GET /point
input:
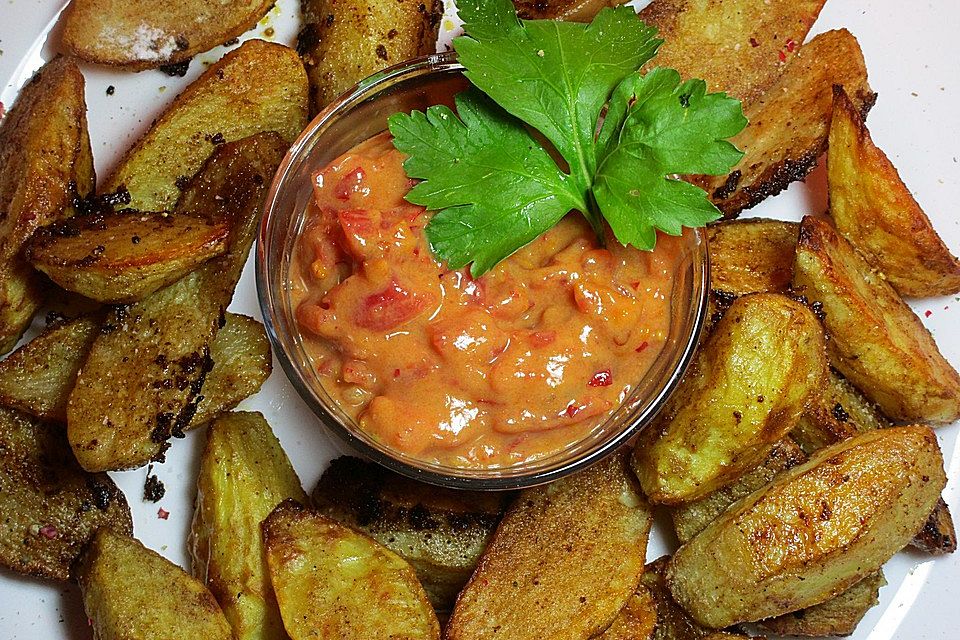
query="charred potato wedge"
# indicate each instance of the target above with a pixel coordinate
(563, 562)
(738, 47)
(344, 41)
(244, 474)
(752, 256)
(133, 593)
(938, 535)
(51, 507)
(567, 10)
(124, 257)
(876, 341)
(334, 582)
(45, 163)
(747, 388)
(142, 34)
(873, 209)
(258, 87)
(122, 411)
(820, 528)
(440, 532)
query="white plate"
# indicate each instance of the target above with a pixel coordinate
(909, 48)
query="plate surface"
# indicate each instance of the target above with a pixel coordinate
(913, 66)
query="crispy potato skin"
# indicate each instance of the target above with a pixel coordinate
(244, 474)
(636, 621)
(739, 46)
(563, 562)
(45, 162)
(133, 593)
(258, 87)
(873, 209)
(140, 34)
(51, 507)
(567, 10)
(877, 342)
(334, 582)
(344, 41)
(812, 534)
(748, 386)
(752, 255)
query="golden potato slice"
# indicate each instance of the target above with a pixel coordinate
(752, 255)
(738, 46)
(344, 41)
(747, 388)
(789, 124)
(637, 619)
(563, 562)
(142, 34)
(568, 10)
(133, 593)
(440, 532)
(261, 86)
(45, 163)
(873, 209)
(816, 531)
(51, 507)
(876, 341)
(142, 378)
(124, 257)
(244, 474)
(333, 582)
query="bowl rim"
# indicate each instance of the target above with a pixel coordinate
(367, 88)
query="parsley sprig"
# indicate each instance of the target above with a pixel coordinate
(495, 187)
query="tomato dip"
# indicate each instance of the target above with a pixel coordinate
(515, 365)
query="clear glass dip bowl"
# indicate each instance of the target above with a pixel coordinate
(356, 116)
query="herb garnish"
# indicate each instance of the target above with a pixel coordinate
(495, 187)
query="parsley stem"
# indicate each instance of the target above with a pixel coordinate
(595, 218)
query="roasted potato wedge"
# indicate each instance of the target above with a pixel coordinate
(244, 474)
(124, 257)
(563, 562)
(261, 86)
(51, 507)
(440, 532)
(133, 593)
(142, 34)
(334, 582)
(738, 47)
(820, 528)
(344, 41)
(123, 410)
(636, 621)
(750, 383)
(752, 255)
(938, 535)
(873, 209)
(789, 124)
(568, 10)
(876, 341)
(45, 163)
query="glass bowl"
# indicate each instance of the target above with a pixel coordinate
(356, 116)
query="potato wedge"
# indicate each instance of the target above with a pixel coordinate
(739, 47)
(816, 531)
(51, 507)
(261, 86)
(636, 621)
(873, 209)
(333, 582)
(344, 41)
(563, 562)
(122, 411)
(133, 593)
(440, 532)
(938, 535)
(567, 10)
(876, 341)
(143, 34)
(124, 257)
(45, 163)
(244, 474)
(752, 255)
(789, 124)
(759, 370)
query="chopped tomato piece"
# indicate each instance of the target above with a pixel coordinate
(602, 378)
(361, 230)
(349, 184)
(389, 308)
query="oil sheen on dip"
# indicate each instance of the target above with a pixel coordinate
(516, 365)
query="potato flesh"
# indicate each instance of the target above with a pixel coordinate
(747, 388)
(133, 593)
(812, 534)
(244, 474)
(752, 255)
(333, 582)
(563, 562)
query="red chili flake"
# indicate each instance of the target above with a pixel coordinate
(601, 379)
(635, 285)
(791, 45)
(643, 345)
(396, 373)
(573, 409)
(927, 313)
(162, 513)
(754, 43)
(782, 56)
(49, 532)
